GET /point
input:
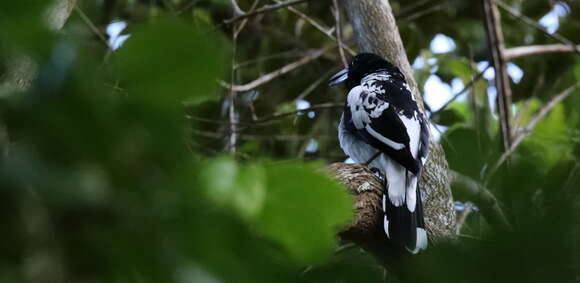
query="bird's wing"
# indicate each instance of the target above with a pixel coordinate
(377, 112)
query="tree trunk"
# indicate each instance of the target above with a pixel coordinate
(21, 69)
(376, 31)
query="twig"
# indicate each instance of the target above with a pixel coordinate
(233, 116)
(338, 25)
(313, 55)
(422, 13)
(523, 51)
(236, 9)
(408, 8)
(467, 86)
(527, 129)
(216, 135)
(92, 26)
(463, 217)
(305, 110)
(264, 9)
(482, 197)
(314, 85)
(284, 54)
(515, 13)
(266, 120)
(496, 46)
(325, 30)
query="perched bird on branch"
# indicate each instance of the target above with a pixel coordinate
(383, 127)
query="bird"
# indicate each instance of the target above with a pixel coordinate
(383, 127)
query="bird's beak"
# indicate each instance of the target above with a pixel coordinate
(338, 77)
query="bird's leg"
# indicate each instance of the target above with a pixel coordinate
(373, 158)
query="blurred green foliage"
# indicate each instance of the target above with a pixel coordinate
(113, 165)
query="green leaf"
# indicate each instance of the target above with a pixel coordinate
(239, 188)
(303, 210)
(459, 143)
(169, 61)
(449, 117)
(24, 24)
(550, 138)
(577, 70)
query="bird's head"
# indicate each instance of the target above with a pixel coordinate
(362, 65)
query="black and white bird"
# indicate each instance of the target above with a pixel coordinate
(383, 127)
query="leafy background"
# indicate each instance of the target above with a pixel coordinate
(117, 165)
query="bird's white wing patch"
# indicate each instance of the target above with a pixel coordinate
(386, 219)
(396, 177)
(355, 100)
(413, 127)
(411, 198)
(421, 242)
(383, 139)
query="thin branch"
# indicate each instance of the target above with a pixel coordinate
(315, 84)
(515, 13)
(463, 217)
(236, 8)
(496, 46)
(305, 110)
(284, 54)
(422, 13)
(325, 30)
(266, 120)
(467, 87)
(338, 25)
(264, 9)
(92, 26)
(523, 51)
(313, 55)
(233, 115)
(527, 129)
(482, 197)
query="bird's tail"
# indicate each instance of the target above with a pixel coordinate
(403, 221)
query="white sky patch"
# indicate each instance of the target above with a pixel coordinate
(312, 146)
(489, 74)
(457, 86)
(116, 39)
(436, 92)
(349, 161)
(514, 72)
(442, 44)
(551, 20)
(419, 63)
(302, 104)
(491, 96)
(437, 131)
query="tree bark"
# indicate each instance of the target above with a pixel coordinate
(376, 31)
(21, 69)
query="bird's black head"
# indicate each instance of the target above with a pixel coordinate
(362, 65)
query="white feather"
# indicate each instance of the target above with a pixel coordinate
(359, 115)
(421, 243)
(411, 192)
(396, 176)
(413, 128)
(383, 139)
(386, 226)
